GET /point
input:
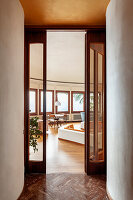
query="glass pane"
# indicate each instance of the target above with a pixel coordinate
(78, 102)
(32, 101)
(36, 121)
(100, 109)
(96, 102)
(41, 101)
(92, 101)
(49, 101)
(62, 97)
(91, 104)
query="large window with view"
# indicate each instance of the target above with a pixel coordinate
(63, 101)
(49, 101)
(33, 102)
(77, 102)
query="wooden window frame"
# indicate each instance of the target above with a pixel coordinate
(36, 101)
(63, 91)
(77, 92)
(41, 113)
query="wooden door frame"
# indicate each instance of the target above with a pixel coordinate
(33, 37)
(41, 30)
(98, 36)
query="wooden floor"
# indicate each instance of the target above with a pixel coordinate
(64, 186)
(65, 178)
(63, 156)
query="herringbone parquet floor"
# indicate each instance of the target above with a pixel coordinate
(64, 186)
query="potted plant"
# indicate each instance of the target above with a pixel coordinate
(34, 133)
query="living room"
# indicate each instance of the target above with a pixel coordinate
(65, 101)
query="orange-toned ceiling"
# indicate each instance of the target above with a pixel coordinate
(64, 12)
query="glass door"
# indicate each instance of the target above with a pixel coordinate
(96, 103)
(95, 134)
(35, 121)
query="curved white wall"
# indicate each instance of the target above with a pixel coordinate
(120, 99)
(11, 99)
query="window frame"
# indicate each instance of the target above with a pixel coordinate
(77, 92)
(63, 91)
(36, 101)
(41, 113)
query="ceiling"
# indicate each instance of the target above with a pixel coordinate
(64, 12)
(65, 57)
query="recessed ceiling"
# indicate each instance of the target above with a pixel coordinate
(64, 12)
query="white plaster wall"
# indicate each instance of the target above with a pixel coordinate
(11, 99)
(120, 99)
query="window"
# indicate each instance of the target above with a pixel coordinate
(63, 97)
(33, 102)
(49, 101)
(92, 101)
(40, 102)
(77, 101)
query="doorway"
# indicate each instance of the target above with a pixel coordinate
(66, 78)
(93, 162)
